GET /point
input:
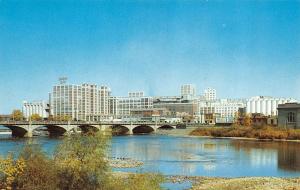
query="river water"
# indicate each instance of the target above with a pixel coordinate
(193, 156)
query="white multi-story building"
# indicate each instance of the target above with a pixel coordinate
(113, 106)
(85, 102)
(188, 91)
(266, 105)
(134, 101)
(37, 107)
(226, 109)
(210, 94)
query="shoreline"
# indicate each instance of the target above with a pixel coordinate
(247, 138)
(220, 183)
(186, 133)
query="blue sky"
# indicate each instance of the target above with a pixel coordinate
(241, 48)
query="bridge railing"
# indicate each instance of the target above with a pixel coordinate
(83, 123)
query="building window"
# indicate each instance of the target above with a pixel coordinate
(291, 117)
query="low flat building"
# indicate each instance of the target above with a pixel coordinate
(5, 117)
(38, 107)
(289, 115)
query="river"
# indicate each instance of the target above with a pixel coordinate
(192, 156)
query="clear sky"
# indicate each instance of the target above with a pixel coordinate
(241, 48)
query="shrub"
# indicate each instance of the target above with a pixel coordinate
(40, 171)
(259, 132)
(79, 162)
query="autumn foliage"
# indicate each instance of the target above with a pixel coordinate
(79, 162)
(263, 132)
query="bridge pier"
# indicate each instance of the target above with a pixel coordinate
(130, 132)
(28, 134)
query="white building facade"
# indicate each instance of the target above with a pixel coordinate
(86, 102)
(188, 91)
(210, 94)
(266, 105)
(134, 101)
(226, 109)
(37, 107)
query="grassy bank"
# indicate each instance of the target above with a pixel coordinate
(265, 132)
(248, 183)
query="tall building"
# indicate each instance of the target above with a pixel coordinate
(134, 101)
(37, 107)
(86, 102)
(188, 91)
(266, 105)
(113, 106)
(210, 94)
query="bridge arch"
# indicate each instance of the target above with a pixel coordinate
(56, 130)
(167, 127)
(17, 131)
(88, 128)
(119, 129)
(142, 129)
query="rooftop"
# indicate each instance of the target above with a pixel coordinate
(289, 105)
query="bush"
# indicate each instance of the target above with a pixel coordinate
(81, 162)
(78, 163)
(39, 171)
(261, 132)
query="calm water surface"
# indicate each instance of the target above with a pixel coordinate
(193, 156)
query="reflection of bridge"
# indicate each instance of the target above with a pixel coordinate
(58, 128)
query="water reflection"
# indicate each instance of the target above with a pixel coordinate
(196, 156)
(285, 155)
(289, 157)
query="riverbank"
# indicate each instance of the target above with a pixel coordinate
(254, 133)
(242, 183)
(176, 132)
(247, 183)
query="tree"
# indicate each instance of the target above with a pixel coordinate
(17, 115)
(247, 120)
(61, 118)
(40, 171)
(35, 117)
(81, 162)
(10, 170)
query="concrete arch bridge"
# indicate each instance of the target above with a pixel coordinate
(59, 128)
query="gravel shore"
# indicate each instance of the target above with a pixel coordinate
(124, 163)
(242, 183)
(247, 183)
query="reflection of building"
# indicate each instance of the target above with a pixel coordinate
(289, 115)
(38, 107)
(266, 105)
(80, 102)
(289, 157)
